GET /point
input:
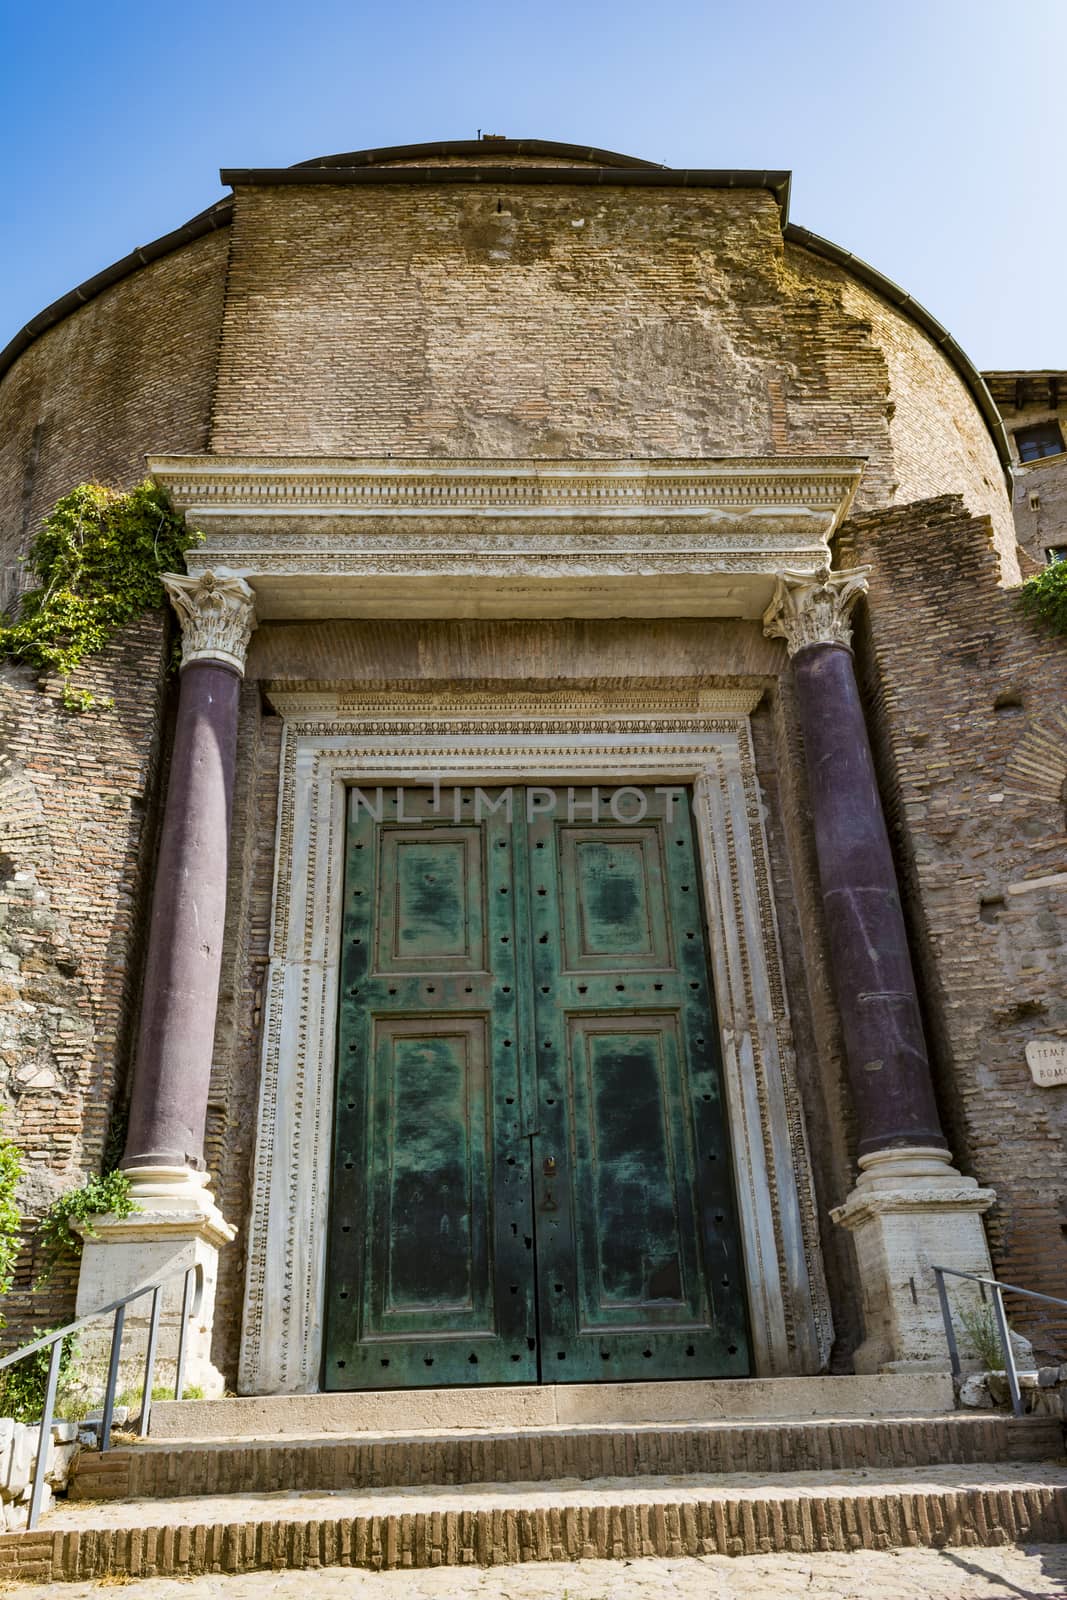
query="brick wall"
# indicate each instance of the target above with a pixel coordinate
(77, 823)
(542, 321)
(960, 689)
(131, 371)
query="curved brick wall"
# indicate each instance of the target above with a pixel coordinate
(131, 371)
(88, 399)
(542, 321)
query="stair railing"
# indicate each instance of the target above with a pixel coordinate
(192, 1296)
(1000, 1316)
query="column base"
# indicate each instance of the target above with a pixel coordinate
(177, 1225)
(912, 1211)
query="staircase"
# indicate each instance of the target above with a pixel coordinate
(495, 1489)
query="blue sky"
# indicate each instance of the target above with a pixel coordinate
(924, 135)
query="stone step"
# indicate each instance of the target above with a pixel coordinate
(219, 1467)
(488, 1525)
(393, 1411)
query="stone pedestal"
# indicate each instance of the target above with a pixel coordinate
(912, 1211)
(178, 1225)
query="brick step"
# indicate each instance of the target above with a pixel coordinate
(489, 1525)
(219, 1467)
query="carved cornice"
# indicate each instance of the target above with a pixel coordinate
(207, 486)
(814, 608)
(462, 712)
(362, 536)
(217, 615)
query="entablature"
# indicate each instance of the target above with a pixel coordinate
(324, 537)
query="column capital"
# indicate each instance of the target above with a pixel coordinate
(217, 614)
(814, 607)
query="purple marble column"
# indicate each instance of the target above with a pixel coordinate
(871, 970)
(172, 1069)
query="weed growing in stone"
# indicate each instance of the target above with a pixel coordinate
(1044, 596)
(108, 1194)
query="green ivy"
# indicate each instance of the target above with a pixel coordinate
(109, 1194)
(1044, 596)
(23, 1386)
(97, 559)
(10, 1219)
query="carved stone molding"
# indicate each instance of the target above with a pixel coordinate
(349, 537)
(333, 741)
(372, 486)
(217, 615)
(814, 608)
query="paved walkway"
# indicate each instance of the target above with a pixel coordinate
(1037, 1573)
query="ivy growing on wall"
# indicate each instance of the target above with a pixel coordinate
(10, 1173)
(97, 561)
(1044, 596)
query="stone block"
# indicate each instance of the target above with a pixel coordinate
(60, 1463)
(20, 1466)
(974, 1392)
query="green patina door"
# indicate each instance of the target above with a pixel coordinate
(531, 1173)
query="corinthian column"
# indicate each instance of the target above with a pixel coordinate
(172, 1069)
(910, 1209)
(177, 1220)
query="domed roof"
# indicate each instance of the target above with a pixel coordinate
(488, 147)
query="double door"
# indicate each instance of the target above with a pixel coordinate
(531, 1173)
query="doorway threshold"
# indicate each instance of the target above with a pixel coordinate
(576, 1405)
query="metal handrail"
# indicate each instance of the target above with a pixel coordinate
(1003, 1331)
(192, 1297)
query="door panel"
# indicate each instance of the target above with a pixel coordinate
(531, 1170)
(429, 1253)
(430, 1279)
(639, 1265)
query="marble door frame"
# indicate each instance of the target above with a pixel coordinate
(333, 739)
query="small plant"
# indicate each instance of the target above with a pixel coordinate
(22, 1387)
(97, 559)
(10, 1218)
(108, 1194)
(1044, 596)
(981, 1326)
(131, 1398)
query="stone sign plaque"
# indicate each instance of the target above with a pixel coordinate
(1047, 1060)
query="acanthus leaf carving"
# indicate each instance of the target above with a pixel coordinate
(814, 608)
(217, 615)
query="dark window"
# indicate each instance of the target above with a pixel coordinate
(1043, 439)
(1056, 552)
